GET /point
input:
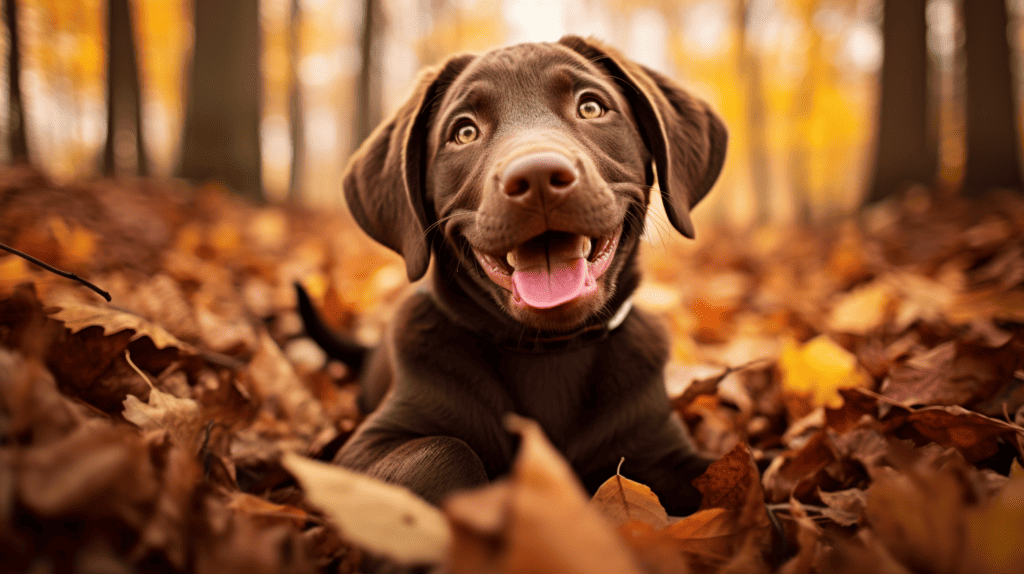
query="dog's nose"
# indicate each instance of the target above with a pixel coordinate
(541, 180)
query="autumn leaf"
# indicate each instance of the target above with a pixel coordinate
(79, 316)
(844, 507)
(539, 521)
(380, 517)
(815, 371)
(180, 418)
(954, 373)
(622, 500)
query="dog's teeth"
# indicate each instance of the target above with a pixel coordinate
(511, 259)
(585, 247)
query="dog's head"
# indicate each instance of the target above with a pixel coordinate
(530, 167)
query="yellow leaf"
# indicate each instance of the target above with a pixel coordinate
(818, 369)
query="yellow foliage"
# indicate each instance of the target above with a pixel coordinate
(818, 369)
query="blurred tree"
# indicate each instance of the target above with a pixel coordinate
(221, 139)
(907, 149)
(17, 139)
(295, 113)
(124, 99)
(368, 86)
(993, 133)
(756, 115)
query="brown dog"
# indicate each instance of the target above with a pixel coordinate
(526, 172)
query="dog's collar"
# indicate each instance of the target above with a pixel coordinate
(542, 342)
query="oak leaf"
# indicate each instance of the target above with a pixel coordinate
(79, 316)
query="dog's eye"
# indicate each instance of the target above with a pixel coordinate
(590, 109)
(466, 133)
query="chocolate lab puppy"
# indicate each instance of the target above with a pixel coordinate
(526, 174)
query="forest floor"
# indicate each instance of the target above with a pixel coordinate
(871, 366)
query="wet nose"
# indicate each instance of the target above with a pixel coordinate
(539, 180)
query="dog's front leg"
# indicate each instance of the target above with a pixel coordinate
(431, 466)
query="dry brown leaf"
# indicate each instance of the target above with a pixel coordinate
(272, 375)
(711, 534)
(797, 469)
(264, 509)
(380, 517)
(734, 483)
(180, 418)
(622, 500)
(954, 373)
(808, 537)
(79, 316)
(973, 434)
(994, 531)
(553, 528)
(918, 515)
(844, 507)
(537, 522)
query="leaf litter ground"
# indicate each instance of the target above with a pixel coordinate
(861, 382)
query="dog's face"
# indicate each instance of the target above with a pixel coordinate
(530, 166)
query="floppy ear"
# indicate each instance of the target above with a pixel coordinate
(384, 180)
(685, 137)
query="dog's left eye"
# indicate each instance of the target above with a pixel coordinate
(590, 109)
(466, 133)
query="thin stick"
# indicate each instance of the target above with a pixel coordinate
(53, 269)
(128, 358)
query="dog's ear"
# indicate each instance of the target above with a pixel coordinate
(384, 180)
(686, 138)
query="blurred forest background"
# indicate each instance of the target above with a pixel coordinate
(270, 97)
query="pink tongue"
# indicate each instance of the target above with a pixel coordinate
(543, 290)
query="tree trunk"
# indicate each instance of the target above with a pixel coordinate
(756, 117)
(295, 113)
(368, 86)
(221, 139)
(907, 149)
(17, 138)
(124, 150)
(993, 137)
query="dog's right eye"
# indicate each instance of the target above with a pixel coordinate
(466, 133)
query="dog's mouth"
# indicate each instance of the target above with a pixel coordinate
(552, 268)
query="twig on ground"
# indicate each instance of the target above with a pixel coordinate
(53, 269)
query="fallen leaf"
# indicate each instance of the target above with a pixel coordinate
(808, 537)
(816, 371)
(993, 537)
(380, 517)
(973, 434)
(954, 373)
(181, 419)
(79, 316)
(552, 526)
(917, 515)
(264, 509)
(844, 507)
(622, 500)
(272, 376)
(863, 310)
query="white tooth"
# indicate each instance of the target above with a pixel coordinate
(585, 247)
(511, 258)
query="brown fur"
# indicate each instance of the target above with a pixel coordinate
(459, 355)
